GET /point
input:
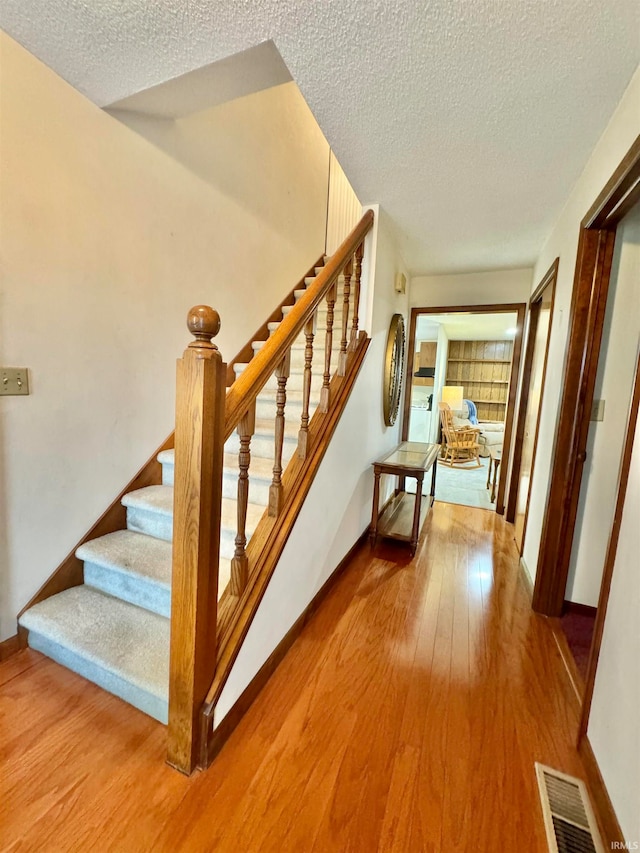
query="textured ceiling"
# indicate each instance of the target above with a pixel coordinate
(467, 120)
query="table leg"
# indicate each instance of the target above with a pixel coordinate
(496, 465)
(433, 481)
(374, 509)
(416, 512)
(489, 472)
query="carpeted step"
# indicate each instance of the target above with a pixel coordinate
(260, 475)
(135, 568)
(262, 442)
(150, 511)
(130, 566)
(118, 646)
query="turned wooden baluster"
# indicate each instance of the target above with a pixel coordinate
(303, 434)
(240, 561)
(342, 357)
(323, 405)
(275, 490)
(197, 506)
(353, 343)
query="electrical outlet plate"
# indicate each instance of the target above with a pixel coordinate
(14, 381)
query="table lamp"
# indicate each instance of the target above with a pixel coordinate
(453, 394)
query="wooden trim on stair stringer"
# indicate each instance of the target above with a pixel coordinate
(70, 571)
(268, 542)
(246, 353)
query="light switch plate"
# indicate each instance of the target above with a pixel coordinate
(14, 381)
(597, 410)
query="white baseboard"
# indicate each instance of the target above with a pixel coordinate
(526, 574)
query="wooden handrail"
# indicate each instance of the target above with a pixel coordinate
(255, 376)
(205, 419)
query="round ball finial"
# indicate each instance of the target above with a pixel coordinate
(204, 323)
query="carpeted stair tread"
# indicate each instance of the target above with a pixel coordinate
(130, 552)
(151, 498)
(260, 467)
(130, 566)
(115, 644)
(160, 499)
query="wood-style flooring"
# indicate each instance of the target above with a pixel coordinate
(406, 717)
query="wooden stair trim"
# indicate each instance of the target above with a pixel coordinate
(252, 380)
(245, 355)
(271, 535)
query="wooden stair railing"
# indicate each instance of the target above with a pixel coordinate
(206, 634)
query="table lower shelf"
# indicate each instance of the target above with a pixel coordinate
(396, 522)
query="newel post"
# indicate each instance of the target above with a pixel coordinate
(200, 400)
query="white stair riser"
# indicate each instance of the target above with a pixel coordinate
(262, 445)
(161, 526)
(295, 382)
(136, 590)
(258, 487)
(317, 363)
(150, 522)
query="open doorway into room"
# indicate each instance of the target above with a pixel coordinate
(528, 419)
(607, 422)
(595, 430)
(462, 369)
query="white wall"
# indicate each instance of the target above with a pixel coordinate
(338, 506)
(563, 243)
(614, 385)
(439, 381)
(476, 288)
(613, 730)
(106, 243)
(265, 151)
(344, 210)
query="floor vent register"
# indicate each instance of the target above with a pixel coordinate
(568, 816)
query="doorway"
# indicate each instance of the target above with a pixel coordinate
(470, 355)
(533, 380)
(587, 318)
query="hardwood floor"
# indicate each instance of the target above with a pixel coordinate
(406, 717)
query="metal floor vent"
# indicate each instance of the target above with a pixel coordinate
(568, 816)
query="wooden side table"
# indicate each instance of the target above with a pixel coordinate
(495, 458)
(404, 516)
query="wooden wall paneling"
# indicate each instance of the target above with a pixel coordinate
(588, 303)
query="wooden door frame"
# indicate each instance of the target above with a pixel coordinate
(612, 549)
(588, 305)
(517, 308)
(548, 280)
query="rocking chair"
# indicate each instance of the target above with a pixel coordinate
(460, 443)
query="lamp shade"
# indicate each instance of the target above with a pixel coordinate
(452, 394)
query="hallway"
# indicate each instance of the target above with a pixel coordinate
(406, 717)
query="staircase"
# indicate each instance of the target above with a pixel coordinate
(169, 653)
(114, 628)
